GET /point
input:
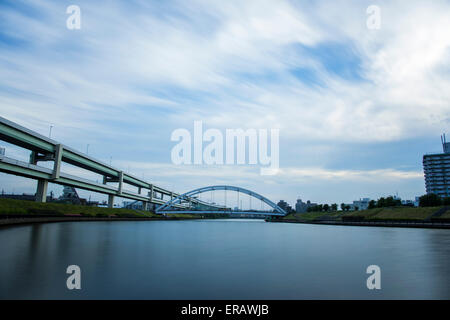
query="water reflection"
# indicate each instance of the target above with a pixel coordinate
(222, 260)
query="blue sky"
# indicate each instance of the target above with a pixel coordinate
(356, 108)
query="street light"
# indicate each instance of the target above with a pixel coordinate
(50, 132)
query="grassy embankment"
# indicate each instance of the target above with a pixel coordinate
(446, 215)
(395, 213)
(13, 207)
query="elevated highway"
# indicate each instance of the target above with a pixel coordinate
(46, 149)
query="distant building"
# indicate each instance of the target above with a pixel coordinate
(28, 197)
(414, 202)
(70, 195)
(23, 196)
(417, 202)
(302, 207)
(408, 203)
(361, 204)
(436, 169)
(284, 205)
(135, 205)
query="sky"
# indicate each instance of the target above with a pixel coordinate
(356, 107)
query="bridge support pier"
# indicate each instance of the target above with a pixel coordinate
(57, 163)
(33, 157)
(120, 182)
(145, 205)
(41, 192)
(110, 201)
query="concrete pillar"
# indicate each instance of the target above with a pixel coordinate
(57, 161)
(110, 201)
(145, 204)
(33, 157)
(41, 192)
(151, 193)
(120, 181)
(139, 190)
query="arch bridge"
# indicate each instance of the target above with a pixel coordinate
(182, 204)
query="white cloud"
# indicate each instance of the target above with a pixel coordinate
(149, 67)
(114, 59)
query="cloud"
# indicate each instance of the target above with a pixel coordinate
(139, 69)
(244, 63)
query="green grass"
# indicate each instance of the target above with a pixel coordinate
(183, 216)
(310, 215)
(395, 213)
(22, 207)
(446, 215)
(31, 208)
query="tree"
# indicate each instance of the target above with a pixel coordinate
(388, 202)
(326, 207)
(334, 207)
(430, 200)
(347, 208)
(343, 206)
(315, 208)
(391, 202)
(372, 204)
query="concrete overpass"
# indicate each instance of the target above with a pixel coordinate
(46, 149)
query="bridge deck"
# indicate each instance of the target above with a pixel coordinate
(220, 212)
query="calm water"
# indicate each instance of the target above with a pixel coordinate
(237, 259)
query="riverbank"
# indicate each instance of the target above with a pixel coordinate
(392, 224)
(400, 217)
(9, 207)
(16, 212)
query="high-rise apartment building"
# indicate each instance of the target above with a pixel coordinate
(436, 168)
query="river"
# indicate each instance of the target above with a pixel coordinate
(222, 259)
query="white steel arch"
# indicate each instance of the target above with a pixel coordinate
(188, 195)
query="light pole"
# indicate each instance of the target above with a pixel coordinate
(50, 132)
